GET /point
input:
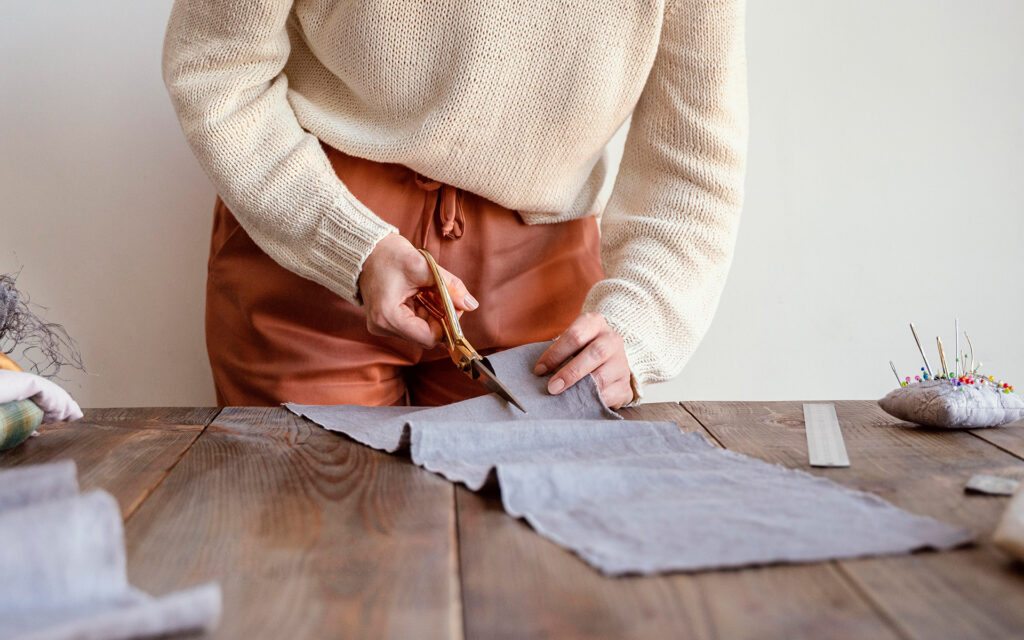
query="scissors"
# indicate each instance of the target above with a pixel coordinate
(462, 353)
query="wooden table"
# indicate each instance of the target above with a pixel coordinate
(312, 535)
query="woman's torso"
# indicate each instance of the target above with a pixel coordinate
(514, 101)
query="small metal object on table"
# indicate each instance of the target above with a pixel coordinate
(312, 535)
(825, 446)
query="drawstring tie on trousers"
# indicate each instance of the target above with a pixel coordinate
(448, 208)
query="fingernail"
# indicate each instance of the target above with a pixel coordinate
(540, 369)
(471, 302)
(556, 385)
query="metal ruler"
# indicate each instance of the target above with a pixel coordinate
(824, 439)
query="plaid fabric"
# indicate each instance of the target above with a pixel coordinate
(17, 421)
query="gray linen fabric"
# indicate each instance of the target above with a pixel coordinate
(707, 508)
(378, 427)
(62, 556)
(631, 496)
(467, 452)
(385, 427)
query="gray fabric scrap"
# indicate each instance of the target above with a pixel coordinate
(385, 427)
(992, 485)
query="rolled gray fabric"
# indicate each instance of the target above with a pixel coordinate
(22, 486)
(62, 557)
(138, 616)
(69, 550)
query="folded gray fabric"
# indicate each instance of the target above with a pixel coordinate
(385, 427)
(631, 496)
(467, 452)
(62, 556)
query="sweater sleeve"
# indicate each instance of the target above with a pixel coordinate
(669, 228)
(222, 65)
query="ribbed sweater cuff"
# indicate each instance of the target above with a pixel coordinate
(638, 366)
(345, 237)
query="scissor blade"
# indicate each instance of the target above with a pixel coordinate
(494, 385)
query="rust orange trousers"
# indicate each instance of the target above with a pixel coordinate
(273, 336)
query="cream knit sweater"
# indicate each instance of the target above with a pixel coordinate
(514, 100)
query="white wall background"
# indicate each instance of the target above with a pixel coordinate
(885, 184)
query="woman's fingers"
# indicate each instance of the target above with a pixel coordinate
(596, 353)
(591, 347)
(610, 373)
(421, 276)
(391, 309)
(584, 329)
(460, 295)
(436, 331)
(394, 317)
(613, 384)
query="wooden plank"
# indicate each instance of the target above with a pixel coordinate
(972, 592)
(152, 416)
(127, 452)
(1009, 438)
(309, 534)
(518, 584)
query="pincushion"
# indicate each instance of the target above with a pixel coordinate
(956, 397)
(941, 403)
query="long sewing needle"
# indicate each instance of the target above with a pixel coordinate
(921, 349)
(956, 328)
(971, 345)
(942, 357)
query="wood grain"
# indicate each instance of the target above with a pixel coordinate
(310, 534)
(1009, 438)
(158, 417)
(974, 592)
(518, 584)
(127, 452)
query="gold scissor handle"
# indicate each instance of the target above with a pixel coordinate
(461, 351)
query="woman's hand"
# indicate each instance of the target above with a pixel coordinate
(601, 353)
(392, 274)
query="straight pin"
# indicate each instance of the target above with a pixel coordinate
(899, 380)
(927, 366)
